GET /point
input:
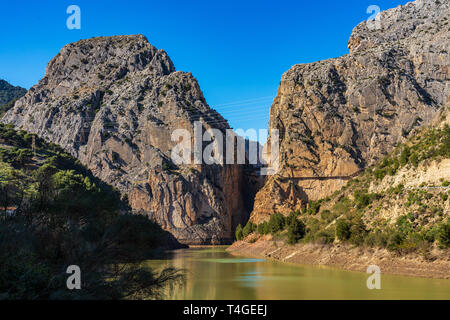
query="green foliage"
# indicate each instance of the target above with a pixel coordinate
(363, 199)
(64, 215)
(313, 208)
(325, 236)
(239, 233)
(342, 206)
(165, 166)
(416, 231)
(276, 223)
(395, 240)
(248, 229)
(291, 218)
(296, 231)
(342, 230)
(263, 228)
(444, 235)
(404, 156)
(9, 95)
(328, 215)
(358, 232)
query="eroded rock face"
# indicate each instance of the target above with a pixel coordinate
(340, 115)
(113, 102)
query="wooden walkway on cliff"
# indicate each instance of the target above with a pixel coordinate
(292, 177)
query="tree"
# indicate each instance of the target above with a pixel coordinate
(342, 230)
(404, 156)
(12, 186)
(358, 232)
(263, 228)
(444, 235)
(248, 229)
(296, 231)
(276, 223)
(291, 218)
(43, 177)
(238, 233)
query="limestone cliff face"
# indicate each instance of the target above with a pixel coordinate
(113, 102)
(340, 115)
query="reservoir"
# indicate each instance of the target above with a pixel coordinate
(213, 274)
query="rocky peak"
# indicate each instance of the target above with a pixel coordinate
(113, 102)
(338, 116)
(418, 21)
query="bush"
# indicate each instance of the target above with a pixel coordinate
(328, 216)
(404, 156)
(363, 199)
(342, 230)
(291, 218)
(296, 231)
(357, 232)
(444, 235)
(325, 237)
(314, 207)
(263, 228)
(248, 229)
(395, 240)
(377, 239)
(276, 223)
(238, 233)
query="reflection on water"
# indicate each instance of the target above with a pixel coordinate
(212, 273)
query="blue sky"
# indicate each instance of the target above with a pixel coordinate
(237, 50)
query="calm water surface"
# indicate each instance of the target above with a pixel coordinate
(212, 273)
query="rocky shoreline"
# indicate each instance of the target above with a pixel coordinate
(435, 265)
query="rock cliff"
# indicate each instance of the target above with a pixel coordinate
(338, 116)
(113, 103)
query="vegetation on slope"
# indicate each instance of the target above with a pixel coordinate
(353, 214)
(54, 213)
(9, 95)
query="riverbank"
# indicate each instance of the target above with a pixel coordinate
(436, 265)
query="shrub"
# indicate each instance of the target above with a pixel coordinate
(444, 235)
(380, 173)
(414, 160)
(325, 236)
(262, 228)
(377, 239)
(363, 199)
(248, 229)
(358, 232)
(165, 166)
(276, 223)
(291, 218)
(404, 156)
(296, 231)
(328, 216)
(314, 207)
(238, 233)
(342, 230)
(395, 240)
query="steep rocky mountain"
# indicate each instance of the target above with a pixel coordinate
(8, 95)
(113, 103)
(395, 214)
(339, 116)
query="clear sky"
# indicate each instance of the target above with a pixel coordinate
(237, 50)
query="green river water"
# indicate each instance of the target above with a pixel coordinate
(212, 273)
